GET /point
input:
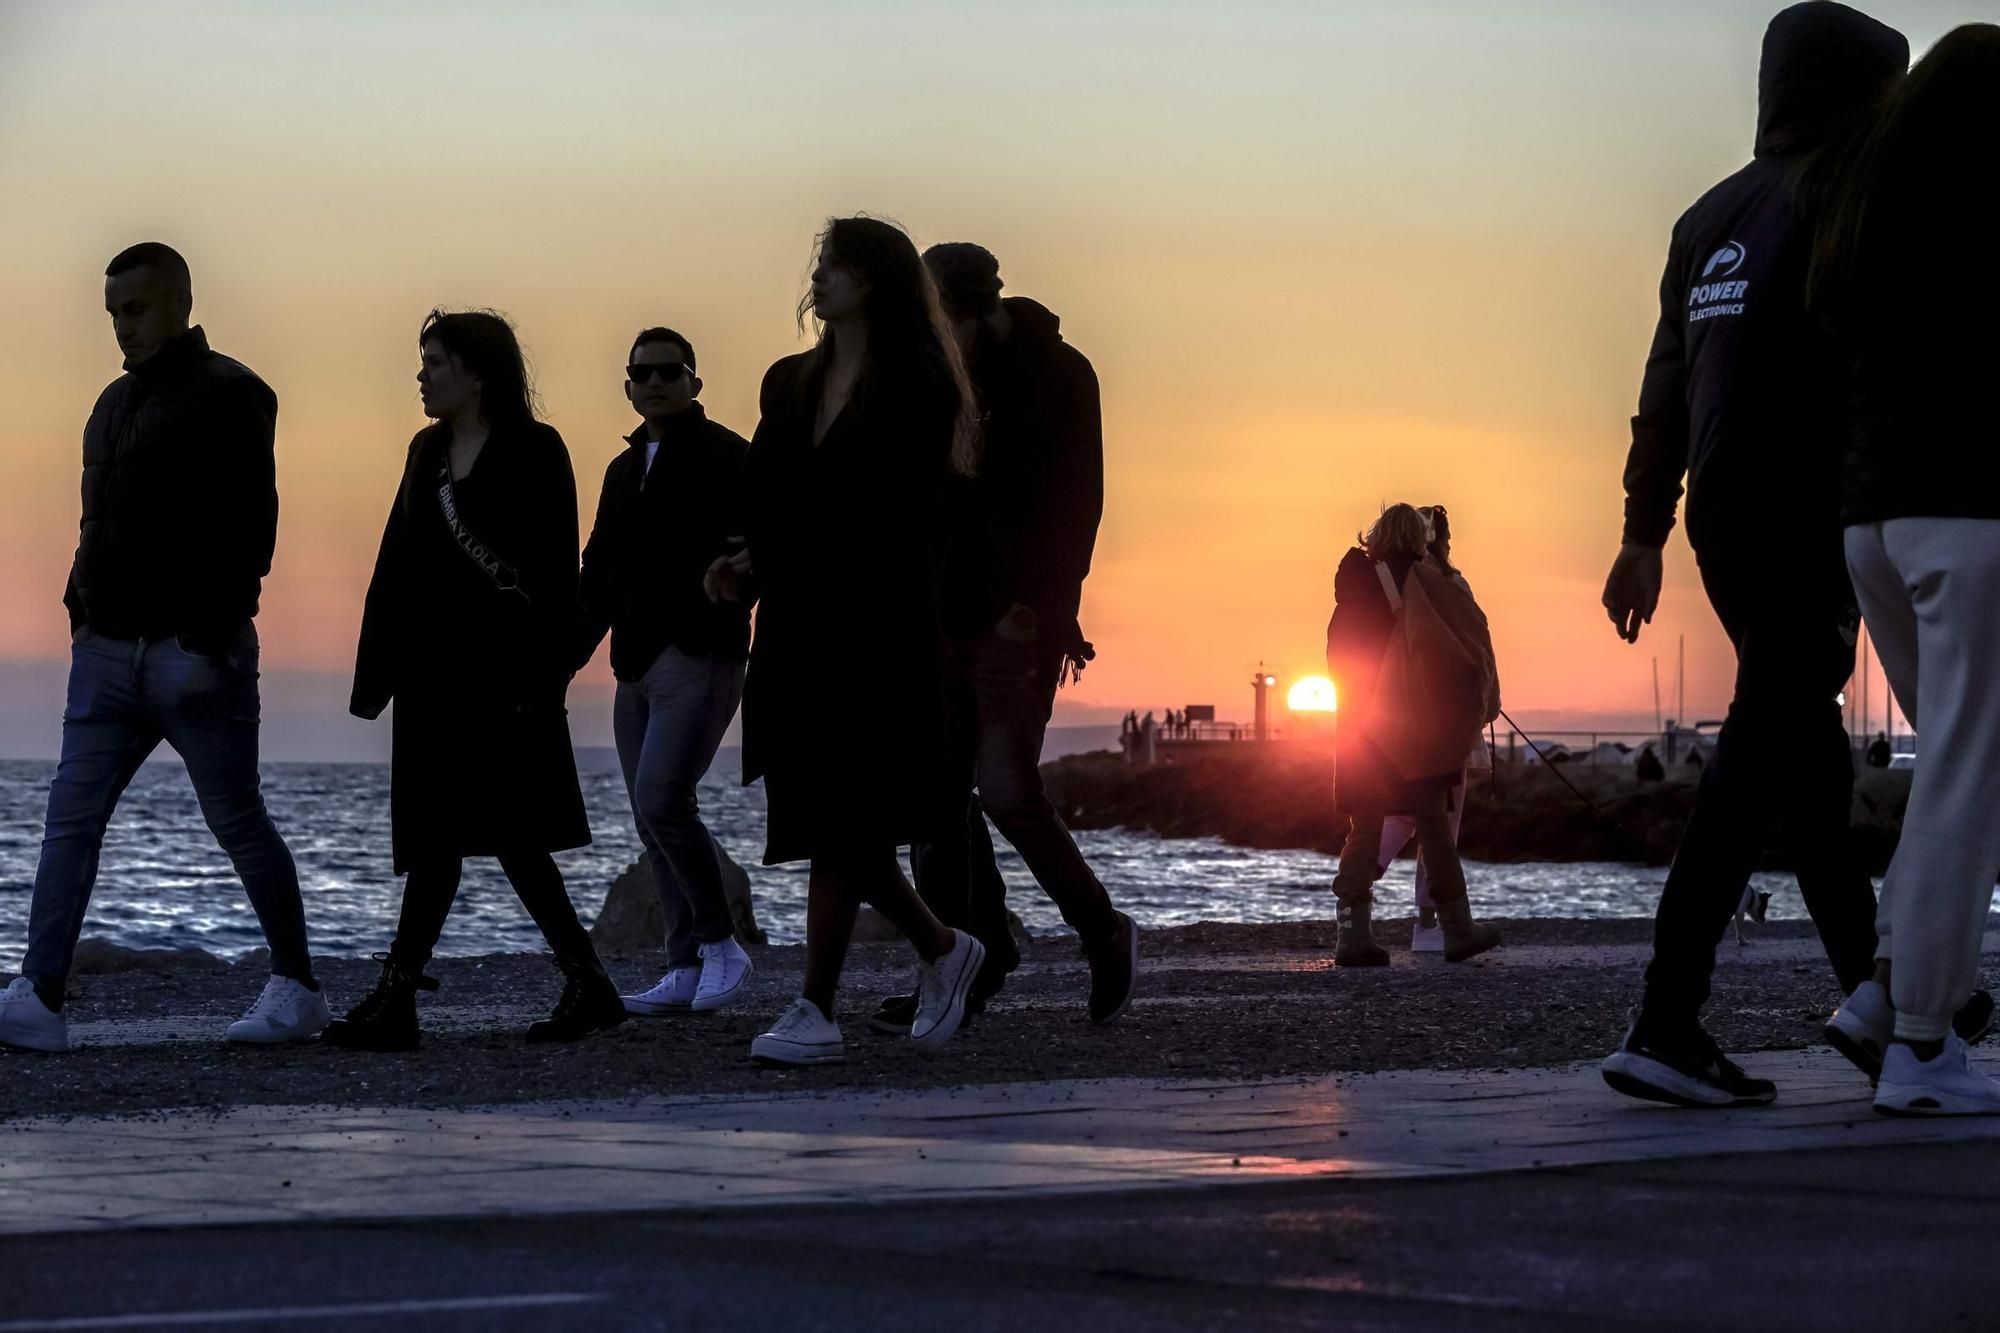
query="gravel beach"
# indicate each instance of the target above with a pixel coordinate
(1216, 1001)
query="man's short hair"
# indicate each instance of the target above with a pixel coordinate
(664, 335)
(163, 259)
(967, 277)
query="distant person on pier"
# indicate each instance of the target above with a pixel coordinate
(1878, 751)
(671, 505)
(859, 440)
(180, 516)
(1023, 533)
(469, 629)
(1407, 648)
(1397, 830)
(1920, 498)
(1745, 404)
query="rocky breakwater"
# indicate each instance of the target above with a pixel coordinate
(1281, 796)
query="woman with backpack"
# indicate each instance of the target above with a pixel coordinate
(1408, 651)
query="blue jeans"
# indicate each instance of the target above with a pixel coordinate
(668, 725)
(125, 697)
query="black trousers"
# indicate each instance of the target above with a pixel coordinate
(1782, 765)
(1002, 695)
(432, 887)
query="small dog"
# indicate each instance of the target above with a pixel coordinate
(1755, 904)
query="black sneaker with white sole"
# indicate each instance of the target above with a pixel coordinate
(1114, 970)
(1681, 1066)
(894, 1015)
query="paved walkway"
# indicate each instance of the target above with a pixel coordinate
(301, 1164)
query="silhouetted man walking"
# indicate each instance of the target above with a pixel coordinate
(672, 504)
(1745, 399)
(1020, 547)
(180, 514)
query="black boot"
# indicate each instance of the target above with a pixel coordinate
(589, 1003)
(387, 1019)
(1356, 946)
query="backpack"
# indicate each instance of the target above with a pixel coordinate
(1438, 686)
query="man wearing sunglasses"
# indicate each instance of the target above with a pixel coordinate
(671, 505)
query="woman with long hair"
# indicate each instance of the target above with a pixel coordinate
(467, 628)
(1907, 274)
(1373, 781)
(844, 707)
(1426, 936)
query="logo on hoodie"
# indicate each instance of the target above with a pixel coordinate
(1709, 299)
(1729, 258)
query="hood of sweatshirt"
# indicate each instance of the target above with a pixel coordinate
(1033, 321)
(1824, 66)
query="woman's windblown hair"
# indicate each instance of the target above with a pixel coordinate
(906, 322)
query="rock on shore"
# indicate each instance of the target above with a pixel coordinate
(632, 920)
(1281, 796)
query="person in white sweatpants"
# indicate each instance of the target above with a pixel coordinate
(1929, 590)
(1920, 508)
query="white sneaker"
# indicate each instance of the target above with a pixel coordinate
(27, 1023)
(1426, 939)
(286, 1011)
(941, 991)
(673, 994)
(801, 1036)
(1861, 1028)
(724, 969)
(1948, 1085)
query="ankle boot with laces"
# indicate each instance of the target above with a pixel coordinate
(589, 1003)
(387, 1019)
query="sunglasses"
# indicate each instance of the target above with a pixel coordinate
(672, 372)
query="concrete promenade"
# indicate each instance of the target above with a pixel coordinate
(1516, 1199)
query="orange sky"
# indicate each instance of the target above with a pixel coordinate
(1322, 255)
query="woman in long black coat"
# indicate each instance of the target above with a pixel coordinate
(466, 629)
(843, 711)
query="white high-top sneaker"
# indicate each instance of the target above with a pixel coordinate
(1948, 1085)
(1861, 1028)
(285, 1011)
(724, 969)
(674, 994)
(28, 1024)
(801, 1036)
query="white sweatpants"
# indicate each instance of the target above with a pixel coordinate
(1929, 590)
(1397, 830)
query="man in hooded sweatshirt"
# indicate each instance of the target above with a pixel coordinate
(1018, 549)
(1745, 402)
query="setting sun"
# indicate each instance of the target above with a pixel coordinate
(1312, 694)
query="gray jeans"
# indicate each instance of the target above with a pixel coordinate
(668, 725)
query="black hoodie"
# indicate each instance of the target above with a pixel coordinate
(1024, 532)
(1744, 396)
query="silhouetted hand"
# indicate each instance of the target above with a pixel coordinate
(1632, 592)
(724, 580)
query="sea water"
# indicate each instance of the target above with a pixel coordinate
(163, 882)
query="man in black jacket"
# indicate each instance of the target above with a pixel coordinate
(180, 514)
(672, 504)
(1018, 550)
(1745, 399)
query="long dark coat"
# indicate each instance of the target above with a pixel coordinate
(843, 711)
(1365, 781)
(474, 652)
